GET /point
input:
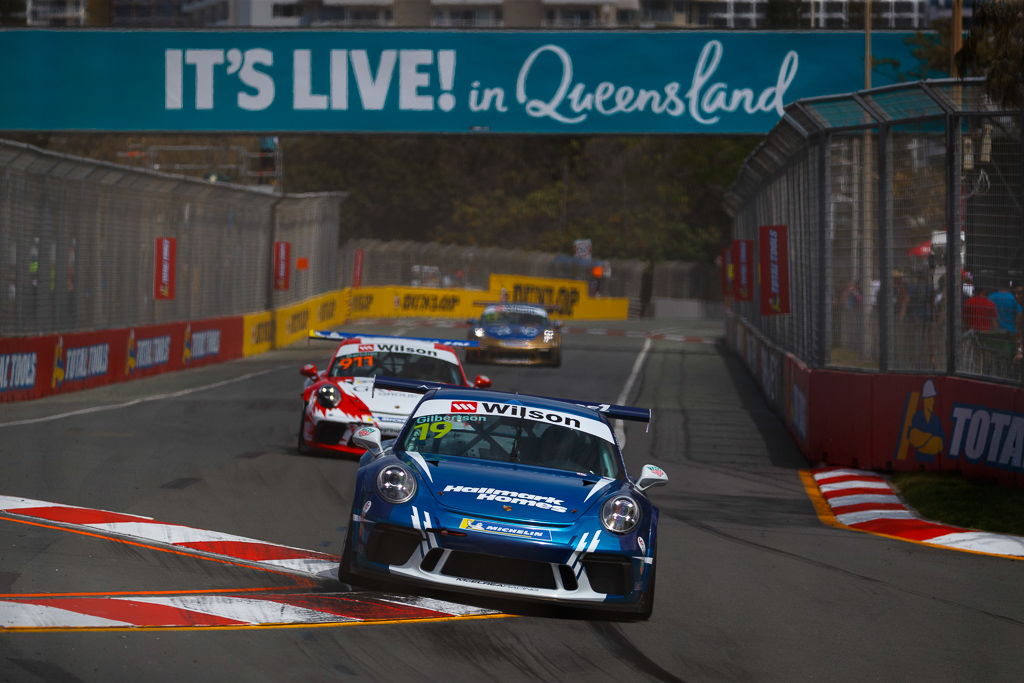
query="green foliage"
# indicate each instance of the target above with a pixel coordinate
(995, 49)
(636, 197)
(12, 12)
(952, 499)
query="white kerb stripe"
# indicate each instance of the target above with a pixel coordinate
(23, 615)
(171, 534)
(982, 542)
(307, 565)
(857, 499)
(436, 605)
(861, 516)
(245, 609)
(843, 485)
(842, 473)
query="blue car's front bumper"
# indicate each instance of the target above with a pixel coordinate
(581, 563)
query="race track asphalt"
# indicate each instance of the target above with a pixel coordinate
(751, 585)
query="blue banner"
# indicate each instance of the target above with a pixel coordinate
(424, 81)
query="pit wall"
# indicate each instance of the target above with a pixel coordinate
(34, 367)
(864, 420)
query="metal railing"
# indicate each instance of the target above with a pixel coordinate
(78, 244)
(904, 209)
(78, 250)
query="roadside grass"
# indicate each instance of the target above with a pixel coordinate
(952, 499)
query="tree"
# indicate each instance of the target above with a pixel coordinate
(12, 12)
(995, 49)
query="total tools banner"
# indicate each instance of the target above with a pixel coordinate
(425, 81)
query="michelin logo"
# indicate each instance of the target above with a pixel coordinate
(502, 496)
(505, 530)
(994, 437)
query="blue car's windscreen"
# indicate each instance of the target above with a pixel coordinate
(391, 364)
(511, 439)
(513, 318)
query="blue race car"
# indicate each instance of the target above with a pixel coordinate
(508, 495)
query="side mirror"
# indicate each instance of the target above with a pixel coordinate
(651, 476)
(482, 382)
(368, 438)
(471, 322)
(309, 370)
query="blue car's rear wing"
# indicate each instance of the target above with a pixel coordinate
(330, 335)
(416, 386)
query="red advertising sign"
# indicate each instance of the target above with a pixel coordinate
(774, 240)
(163, 268)
(282, 265)
(357, 268)
(743, 262)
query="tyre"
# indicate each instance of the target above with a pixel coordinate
(302, 447)
(646, 606)
(345, 574)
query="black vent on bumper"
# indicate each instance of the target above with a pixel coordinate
(609, 573)
(430, 561)
(499, 570)
(329, 432)
(391, 545)
(568, 578)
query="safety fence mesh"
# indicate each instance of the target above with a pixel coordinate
(82, 245)
(904, 212)
(79, 244)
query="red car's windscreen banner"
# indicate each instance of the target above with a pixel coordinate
(282, 265)
(163, 268)
(743, 260)
(774, 242)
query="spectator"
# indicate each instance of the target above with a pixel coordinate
(1007, 308)
(980, 313)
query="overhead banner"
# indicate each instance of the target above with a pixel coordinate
(426, 81)
(774, 241)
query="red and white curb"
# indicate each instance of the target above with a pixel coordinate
(867, 502)
(199, 610)
(597, 331)
(157, 609)
(147, 529)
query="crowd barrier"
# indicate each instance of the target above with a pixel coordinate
(889, 422)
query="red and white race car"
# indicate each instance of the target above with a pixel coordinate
(341, 399)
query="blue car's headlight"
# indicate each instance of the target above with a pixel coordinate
(620, 514)
(549, 335)
(478, 332)
(396, 484)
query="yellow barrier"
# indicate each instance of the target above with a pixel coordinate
(413, 302)
(293, 323)
(258, 333)
(284, 326)
(570, 297)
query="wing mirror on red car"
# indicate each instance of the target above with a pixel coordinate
(482, 382)
(309, 370)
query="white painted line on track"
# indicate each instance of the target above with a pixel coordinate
(620, 430)
(145, 399)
